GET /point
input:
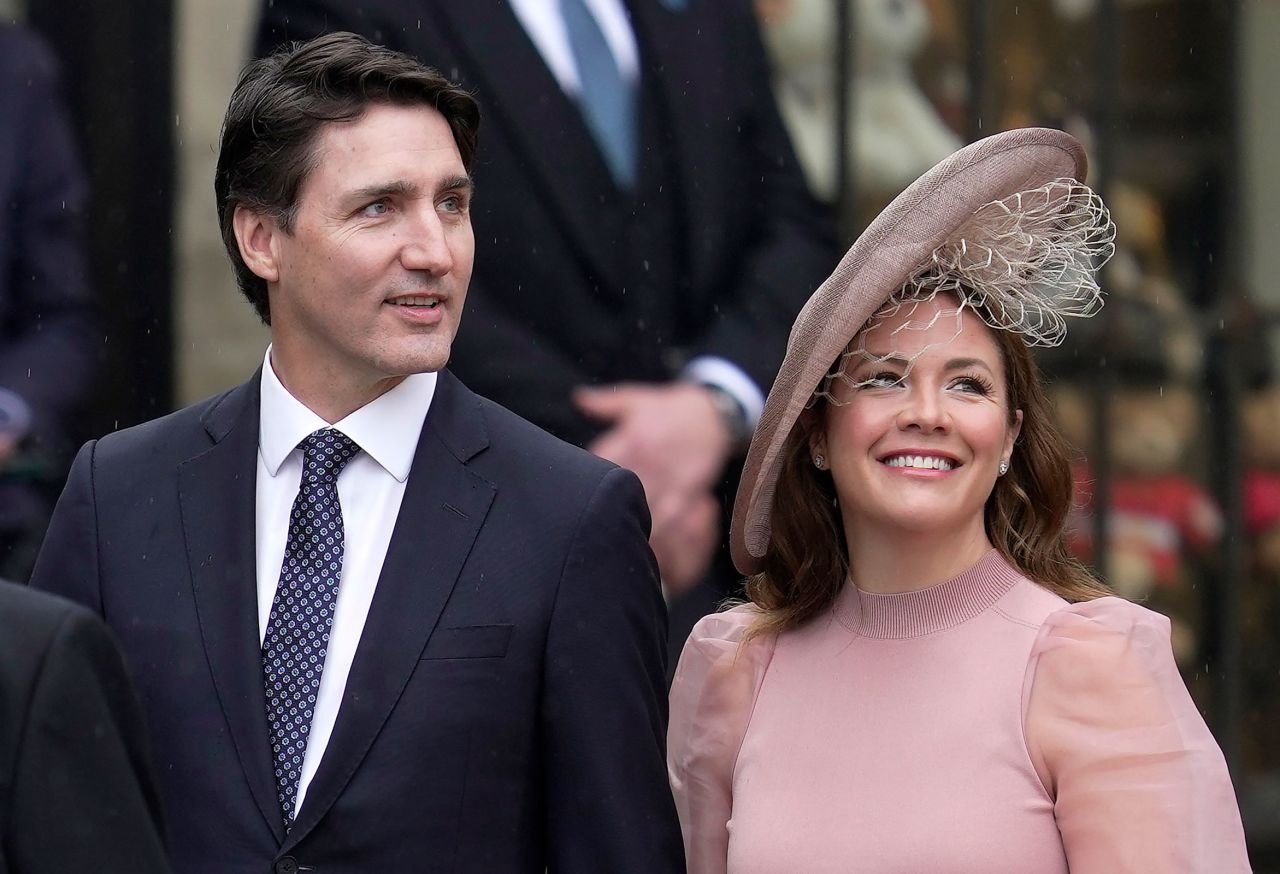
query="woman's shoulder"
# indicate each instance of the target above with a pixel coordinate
(727, 626)
(1107, 623)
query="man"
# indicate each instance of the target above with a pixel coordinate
(45, 322)
(645, 237)
(78, 793)
(379, 623)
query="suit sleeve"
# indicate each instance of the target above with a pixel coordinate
(604, 707)
(45, 357)
(791, 248)
(68, 560)
(83, 797)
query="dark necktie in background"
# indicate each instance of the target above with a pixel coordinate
(607, 101)
(297, 638)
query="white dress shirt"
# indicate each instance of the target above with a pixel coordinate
(543, 23)
(370, 490)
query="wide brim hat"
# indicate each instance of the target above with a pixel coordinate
(902, 238)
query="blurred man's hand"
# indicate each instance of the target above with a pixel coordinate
(675, 441)
(8, 449)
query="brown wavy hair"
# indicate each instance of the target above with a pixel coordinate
(807, 561)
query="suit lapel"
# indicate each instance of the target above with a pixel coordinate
(217, 493)
(514, 83)
(443, 509)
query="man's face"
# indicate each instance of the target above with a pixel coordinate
(370, 283)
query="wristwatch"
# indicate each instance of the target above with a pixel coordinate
(731, 413)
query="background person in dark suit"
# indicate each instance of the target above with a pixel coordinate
(76, 790)
(656, 248)
(45, 310)
(378, 622)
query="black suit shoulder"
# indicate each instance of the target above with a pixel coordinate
(22, 52)
(172, 437)
(78, 792)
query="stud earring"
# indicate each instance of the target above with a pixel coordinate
(820, 462)
(1004, 468)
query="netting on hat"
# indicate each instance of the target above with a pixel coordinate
(1024, 264)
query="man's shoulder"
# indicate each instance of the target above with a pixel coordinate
(23, 51)
(180, 433)
(30, 621)
(527, 445)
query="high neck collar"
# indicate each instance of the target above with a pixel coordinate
(925, 611)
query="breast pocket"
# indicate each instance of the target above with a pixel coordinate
(468, 642)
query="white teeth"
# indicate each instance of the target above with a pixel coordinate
(420, 301)
(924, 462)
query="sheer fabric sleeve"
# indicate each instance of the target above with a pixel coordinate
(712, 696)
(1137, 780)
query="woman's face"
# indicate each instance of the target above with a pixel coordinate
(916, 450)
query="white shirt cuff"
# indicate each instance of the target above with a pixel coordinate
(725, 374)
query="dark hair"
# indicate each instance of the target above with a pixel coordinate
(806, 562)
(280, 105)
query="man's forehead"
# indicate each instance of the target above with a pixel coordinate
(385, 144)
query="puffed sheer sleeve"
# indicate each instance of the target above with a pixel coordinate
(712, 697)
(1137, 780)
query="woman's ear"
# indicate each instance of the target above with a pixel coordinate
(817, 434)
(1012, 437)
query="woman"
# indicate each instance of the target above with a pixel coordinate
(924, 679)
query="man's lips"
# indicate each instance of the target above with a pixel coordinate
(424, 301)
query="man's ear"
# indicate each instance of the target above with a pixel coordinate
(256, 236)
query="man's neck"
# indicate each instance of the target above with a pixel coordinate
(329, 394)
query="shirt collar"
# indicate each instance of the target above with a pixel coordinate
(387, 428)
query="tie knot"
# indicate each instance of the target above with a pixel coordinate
(325, 453)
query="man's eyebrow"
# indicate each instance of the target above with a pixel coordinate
(457, 183)
(398, 188)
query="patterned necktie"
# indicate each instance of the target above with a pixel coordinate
(297, 637)
(607, 101)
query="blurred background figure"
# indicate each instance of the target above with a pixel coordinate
(644, 236)
(79, 794)
(45, 309)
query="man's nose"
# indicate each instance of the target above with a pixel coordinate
(426, 245)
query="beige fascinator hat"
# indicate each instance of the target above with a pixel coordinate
(1004, 225)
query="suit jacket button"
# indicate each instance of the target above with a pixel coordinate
(287, 865)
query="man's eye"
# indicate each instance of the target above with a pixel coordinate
(453, 203)
(377, 208)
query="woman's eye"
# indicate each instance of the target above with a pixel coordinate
(883, 379)
(974, 385)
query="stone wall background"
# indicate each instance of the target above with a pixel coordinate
(217, 337)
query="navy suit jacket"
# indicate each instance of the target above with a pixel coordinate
(506, 708)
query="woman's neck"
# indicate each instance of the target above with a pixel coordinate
(905, 561)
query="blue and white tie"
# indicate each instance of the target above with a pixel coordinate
(297, 638)
(608, 100)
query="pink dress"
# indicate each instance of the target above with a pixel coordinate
(980, 725)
